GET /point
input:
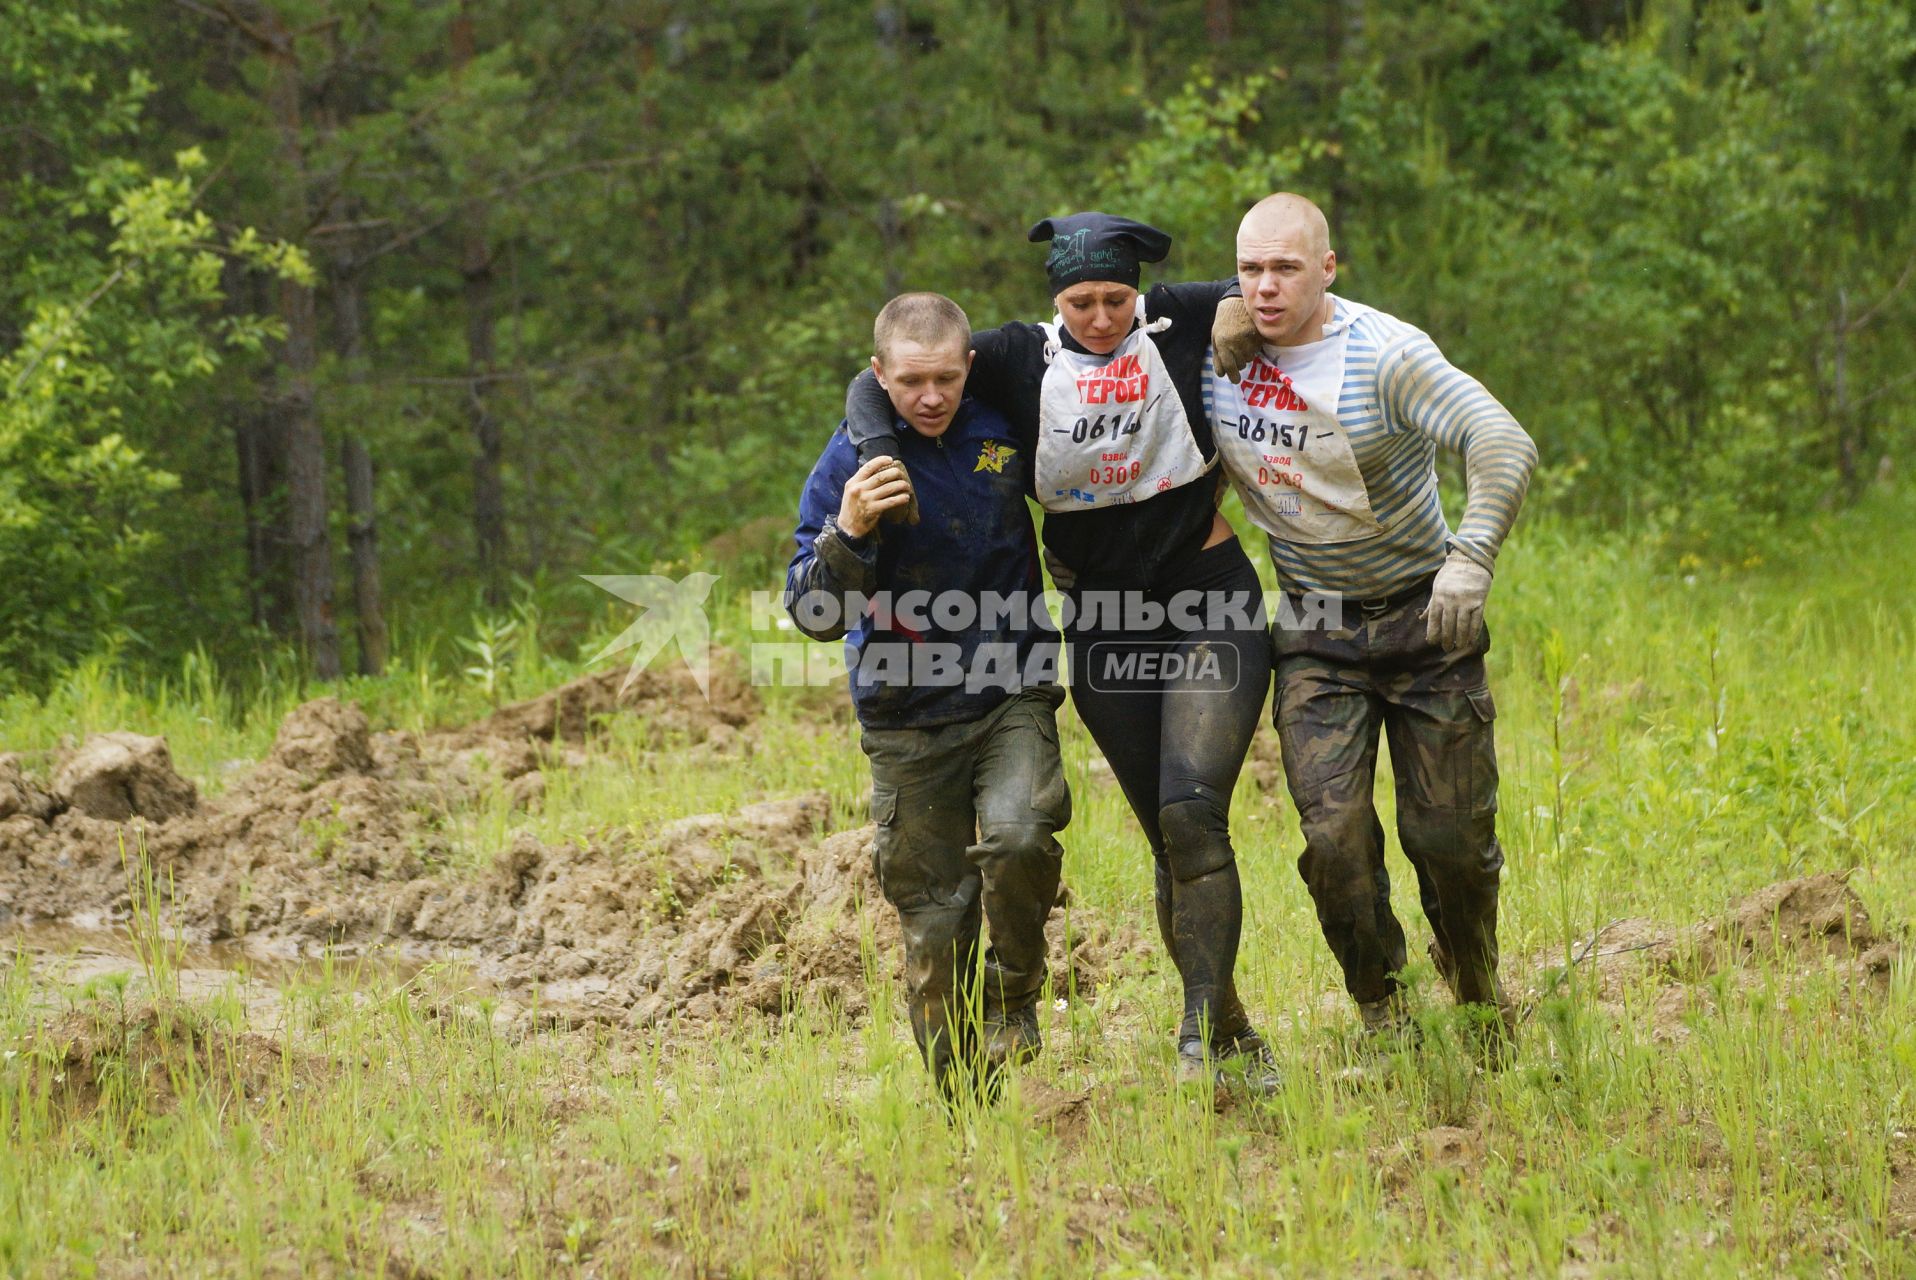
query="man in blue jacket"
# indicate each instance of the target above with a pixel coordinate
(954, 676)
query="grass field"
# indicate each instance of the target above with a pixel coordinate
(1669, 743)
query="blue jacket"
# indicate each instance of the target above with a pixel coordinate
(910, 669)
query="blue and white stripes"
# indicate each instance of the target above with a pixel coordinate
(1401, 400)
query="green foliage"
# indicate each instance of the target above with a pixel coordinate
(1200, 162)
(1674, 236)
(1684, 272)
(126, 328)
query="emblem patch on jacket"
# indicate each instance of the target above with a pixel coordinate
(992, 457)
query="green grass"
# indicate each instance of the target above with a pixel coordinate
(1667, 744)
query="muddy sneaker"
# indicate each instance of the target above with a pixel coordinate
(1250, 1063)
(1195, 1064)
(1242, 1062)
(1015, 1039)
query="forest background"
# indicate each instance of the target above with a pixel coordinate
(330, 329)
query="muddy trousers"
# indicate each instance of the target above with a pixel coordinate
(968, 816)
(1175, 732)
(1336, 690)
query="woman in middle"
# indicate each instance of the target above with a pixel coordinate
(1170, 650)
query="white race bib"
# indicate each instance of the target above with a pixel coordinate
(1111, 429)
(1284, 449)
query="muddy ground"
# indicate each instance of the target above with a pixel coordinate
(332, 842)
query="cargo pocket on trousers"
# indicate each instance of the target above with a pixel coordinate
(1482, 756)
(885, 837)
(1050, 796)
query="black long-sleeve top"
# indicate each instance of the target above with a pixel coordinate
(1139, 545)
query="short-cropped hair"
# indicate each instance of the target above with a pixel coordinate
(929, 319)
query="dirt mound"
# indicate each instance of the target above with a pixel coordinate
(1817, 915)
(117, 776)
(688, 922)
(18, 794)
(323, 739)
(669, 698)
(1797, 924)
(1264, 765)
(335, 840)
(146, 1058)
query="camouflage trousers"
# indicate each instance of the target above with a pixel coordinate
(1336, 690)
(968, 816)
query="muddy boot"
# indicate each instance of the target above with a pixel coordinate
(1206, 919)
(1493, 1026)
(1388, 1024)
(1250, 1058)
(1013, 1039)
(1204, 924)
(907, 514)
(1445, 966)
(1493, 1020)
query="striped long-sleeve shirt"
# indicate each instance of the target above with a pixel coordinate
(1400, 401)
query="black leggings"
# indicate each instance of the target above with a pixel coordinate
(1173, 701)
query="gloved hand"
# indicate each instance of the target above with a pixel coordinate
(1455, 613)
(1234, 340)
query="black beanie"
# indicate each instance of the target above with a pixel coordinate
(1098, 246)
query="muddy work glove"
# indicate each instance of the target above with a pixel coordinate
(1234, 340)
(1455, 614)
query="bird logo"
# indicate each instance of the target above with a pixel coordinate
(668, 612)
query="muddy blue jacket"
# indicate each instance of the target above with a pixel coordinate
(946, 617)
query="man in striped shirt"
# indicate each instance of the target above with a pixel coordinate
(1331, 435)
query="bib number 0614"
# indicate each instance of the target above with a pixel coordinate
(1120, 424)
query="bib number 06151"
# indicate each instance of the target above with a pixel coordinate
(1257, 431)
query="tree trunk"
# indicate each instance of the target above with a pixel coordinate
(1848, 467)
(1217, 22)
(311, 540)
(888, 25)
(475, 267)
(362, 537)
(356, 461)
(260, 471)
(1345, 39)
(261, 457)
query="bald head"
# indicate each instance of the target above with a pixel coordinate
(1289, 215)
(1284, 266)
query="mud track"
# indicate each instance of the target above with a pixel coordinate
(332, 843)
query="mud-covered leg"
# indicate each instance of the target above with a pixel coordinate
(1022, 803)
(1210, 716)
(1444, 754)
(1328, 725)
(921, 802)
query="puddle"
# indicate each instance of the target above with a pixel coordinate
(63, 955)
